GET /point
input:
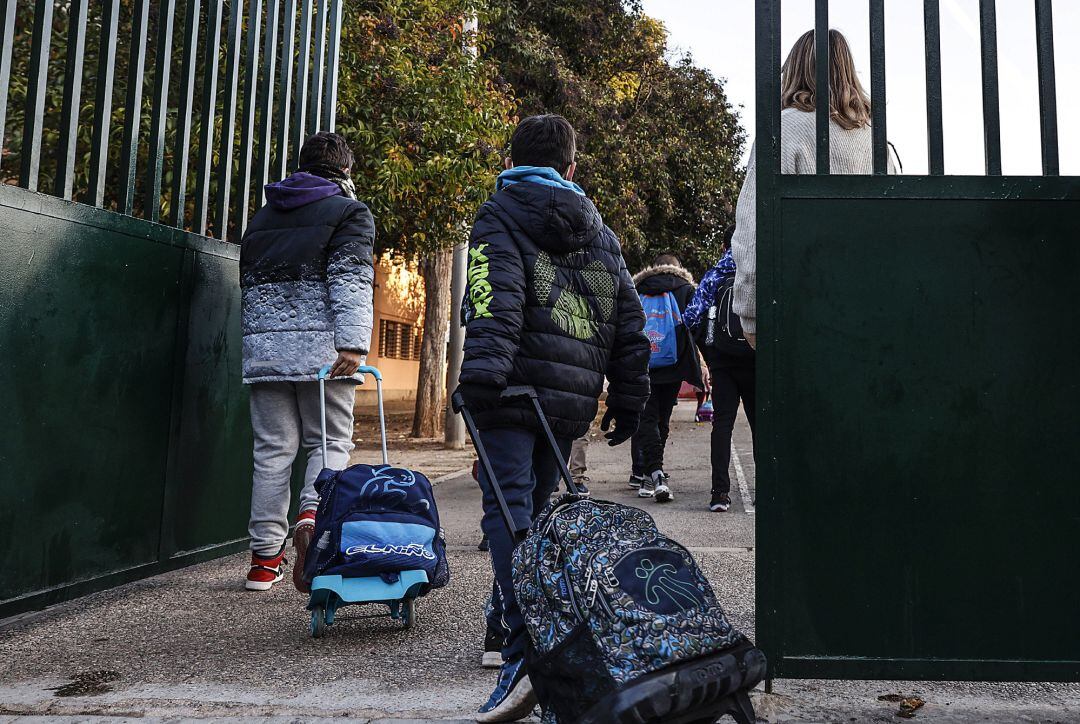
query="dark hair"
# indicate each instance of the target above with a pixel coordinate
(547, 140)
(326, 149)
(665, 258)
(728, 233)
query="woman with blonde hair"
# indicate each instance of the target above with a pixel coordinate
(850, 149)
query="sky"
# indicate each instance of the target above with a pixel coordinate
(720, 36)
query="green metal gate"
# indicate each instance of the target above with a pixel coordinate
(125, 445)
(919, 493)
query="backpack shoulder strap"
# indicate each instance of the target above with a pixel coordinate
(673, 303)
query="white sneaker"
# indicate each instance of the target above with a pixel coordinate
(661, 492)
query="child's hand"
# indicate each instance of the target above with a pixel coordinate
(346, 363)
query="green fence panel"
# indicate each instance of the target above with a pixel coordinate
(209, 490)
(126, 445)
(84, 362)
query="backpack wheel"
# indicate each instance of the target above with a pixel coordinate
(408, 614)
(318, 622)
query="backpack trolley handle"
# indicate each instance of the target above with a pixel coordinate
(324, 373)
(511, 393)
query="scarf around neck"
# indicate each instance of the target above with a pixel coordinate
(342, 179)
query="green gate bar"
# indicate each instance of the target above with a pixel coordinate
(99, 143)
(206, 127)
(69, 119)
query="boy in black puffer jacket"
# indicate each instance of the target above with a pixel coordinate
(665, 276)
(549, 304)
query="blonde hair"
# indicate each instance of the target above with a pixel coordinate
(849, 105)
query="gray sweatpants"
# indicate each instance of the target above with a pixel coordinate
(285, 417)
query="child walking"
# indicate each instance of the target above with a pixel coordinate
(306, 277)
(549, 304)
(665, 288)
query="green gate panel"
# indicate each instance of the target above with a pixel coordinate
(88, 318)
(920, 507)
(209, 491)
(125, 446)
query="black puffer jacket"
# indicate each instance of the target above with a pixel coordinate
(677, 280)
(550, 304)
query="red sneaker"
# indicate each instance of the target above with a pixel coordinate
(265, 572)
(305, 531)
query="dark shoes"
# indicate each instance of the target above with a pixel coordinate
(513, 697)
(493, 644)
(720, 502)
(582, 484)
(305, 531)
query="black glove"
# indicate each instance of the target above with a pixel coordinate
(626, 424)
(479, 397)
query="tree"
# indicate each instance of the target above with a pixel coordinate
(426, 120)
(659, 144)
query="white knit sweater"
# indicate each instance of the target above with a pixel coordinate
(850, 152)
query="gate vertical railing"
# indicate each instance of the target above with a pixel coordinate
(215, 62)
(113, 324)
(916, 389)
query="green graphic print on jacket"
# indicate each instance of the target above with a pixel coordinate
(570, 310)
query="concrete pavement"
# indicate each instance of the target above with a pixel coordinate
(193, 643)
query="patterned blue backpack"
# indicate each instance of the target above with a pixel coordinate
(662, 319)
(623, 624)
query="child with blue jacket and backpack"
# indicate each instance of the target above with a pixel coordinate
(666, 289)
(549, 304)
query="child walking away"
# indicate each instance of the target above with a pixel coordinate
(306, 277)
(549, 304)
(731, 365)
(665, 289)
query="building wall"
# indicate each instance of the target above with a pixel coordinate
(399, 297)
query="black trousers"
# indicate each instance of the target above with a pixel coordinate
(647, 444)
(730, 383)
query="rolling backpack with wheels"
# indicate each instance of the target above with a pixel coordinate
(623, 625)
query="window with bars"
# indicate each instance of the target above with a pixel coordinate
(398, 340)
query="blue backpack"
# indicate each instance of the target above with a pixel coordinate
(376, 520)
(662, 319)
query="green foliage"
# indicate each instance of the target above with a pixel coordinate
(659, 144)
(426, 119)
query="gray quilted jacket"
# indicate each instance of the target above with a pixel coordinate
(306, 278)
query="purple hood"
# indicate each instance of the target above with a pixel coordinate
(299, 189)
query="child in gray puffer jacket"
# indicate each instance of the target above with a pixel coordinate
(306, 276)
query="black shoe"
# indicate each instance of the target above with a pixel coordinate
(483, 543)
(635, 482)
(720, 503)
(513, 697)
(493, 644)
(582, 484)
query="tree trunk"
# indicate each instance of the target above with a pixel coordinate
(431, 386)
